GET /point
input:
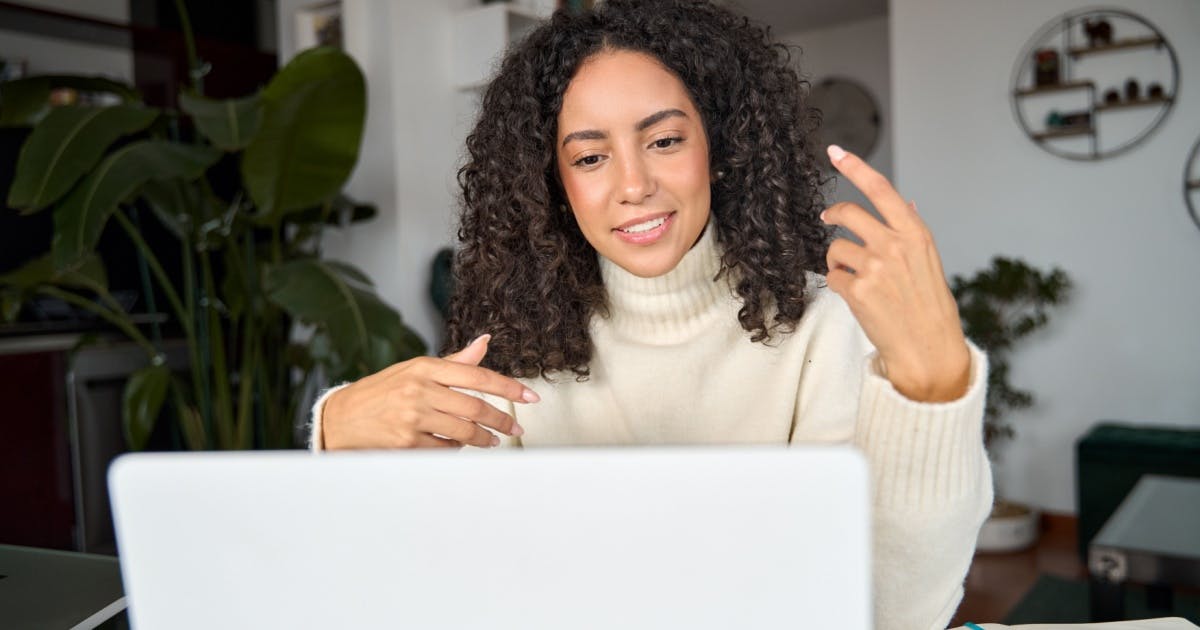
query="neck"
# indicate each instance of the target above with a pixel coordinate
(672, 307)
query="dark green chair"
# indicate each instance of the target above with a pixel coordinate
(1111, 458)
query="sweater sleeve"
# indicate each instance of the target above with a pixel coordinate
(932, 490)
(315, 443)
(930, 477)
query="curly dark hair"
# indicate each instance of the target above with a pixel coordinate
(524, 271)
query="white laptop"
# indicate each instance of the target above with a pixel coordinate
(629, 538)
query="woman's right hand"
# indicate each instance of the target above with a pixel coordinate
(411, 405)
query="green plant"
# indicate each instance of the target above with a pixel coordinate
(250, 258)
(999, 306)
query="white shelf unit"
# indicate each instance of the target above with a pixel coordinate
(482, 34)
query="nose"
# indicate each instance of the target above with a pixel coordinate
(636, 181)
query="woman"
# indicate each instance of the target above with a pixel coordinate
(642, 243)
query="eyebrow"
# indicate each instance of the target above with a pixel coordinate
(642, 125)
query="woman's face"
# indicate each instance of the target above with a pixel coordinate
(633, 159)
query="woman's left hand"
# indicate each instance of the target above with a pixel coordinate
(895, 286)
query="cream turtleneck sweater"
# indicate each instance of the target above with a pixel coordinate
(673, 366)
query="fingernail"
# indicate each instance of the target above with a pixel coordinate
(485, 337)
(836, 153)
(495, 441)
(517, 430)
(530, 396)
(913, 205)
(823, 217)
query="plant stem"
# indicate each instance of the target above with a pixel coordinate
(223, 415)
(144, 253)
(185, 23)
(245, 421)
(197, 347)
(156, 267)
(111, 317)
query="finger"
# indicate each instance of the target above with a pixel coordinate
(876, 187)
(839, 281)
(458, 430)
(473, 352)
(473, 377)
(856, 219)
(846, 255)
(474, 409)
(425, 440)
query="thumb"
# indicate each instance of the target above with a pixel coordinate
(473, 353)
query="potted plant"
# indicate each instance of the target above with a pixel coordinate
(250, 257)
(999, 306)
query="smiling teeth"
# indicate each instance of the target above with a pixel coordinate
(644, 227)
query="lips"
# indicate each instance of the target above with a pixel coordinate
(642, 220)
(646, 229)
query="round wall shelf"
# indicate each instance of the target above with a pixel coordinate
(1094, 83)
(1191, 183)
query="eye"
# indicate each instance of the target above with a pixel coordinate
(666, 143)
(587, 160)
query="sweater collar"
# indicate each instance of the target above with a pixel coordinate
(672, 307)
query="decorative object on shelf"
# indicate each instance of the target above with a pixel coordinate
(1078, 47)
(849, 114)
(1045, 63)
(999, 306)
(1132, 90)
(11, 69)
(1191, 183)
(576, 6)
(1069, 120)
(319, 25)
(1099, 32)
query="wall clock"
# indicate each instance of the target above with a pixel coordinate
(849, 115)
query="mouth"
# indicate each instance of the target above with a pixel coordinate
(645, 229)
(644, 223)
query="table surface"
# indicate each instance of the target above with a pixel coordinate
(1161, 516)
(48, 588)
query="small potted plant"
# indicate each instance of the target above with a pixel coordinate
(1000, 305)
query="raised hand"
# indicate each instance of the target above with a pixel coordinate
(895, 286)
(411, 405)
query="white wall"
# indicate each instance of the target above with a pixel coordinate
(1128, 345)
(46, 55)
(859, 51)
(410, 147)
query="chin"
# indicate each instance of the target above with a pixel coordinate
(650, 266)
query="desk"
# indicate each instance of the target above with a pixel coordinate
(46, 588)
(1153, 538)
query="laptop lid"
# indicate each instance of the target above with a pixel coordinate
(759, 537)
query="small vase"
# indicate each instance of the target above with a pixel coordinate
(1010, 527)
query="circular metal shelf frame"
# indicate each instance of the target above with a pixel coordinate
(1063, 27)
(1191, 183)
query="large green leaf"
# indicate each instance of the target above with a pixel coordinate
(364, 332)
(167, 201)
(24, 102)
(18, 285)
(142, 402)
(66, 145)
(88, 274)
(80, 219)
(229, 124)
(313, 113)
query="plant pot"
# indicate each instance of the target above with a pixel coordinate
(1010, 527)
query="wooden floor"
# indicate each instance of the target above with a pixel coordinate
(996, 582)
